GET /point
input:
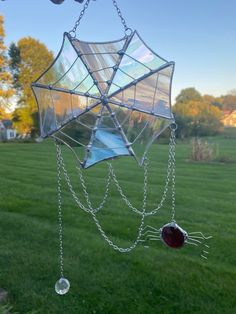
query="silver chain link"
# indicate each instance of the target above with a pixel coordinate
(60, 220)
(77, 23)
(173, 146)
(170, 172)
(111, 173)
(120, 15)
(102, 203)
(140, 228)
(75, 197)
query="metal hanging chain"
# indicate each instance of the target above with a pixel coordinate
(169, 174)
(75, 197)
(107, 186)
(173, 140)
(60, 217)
(120, 15)
(140, 229)
(61, 165)
(77, 23)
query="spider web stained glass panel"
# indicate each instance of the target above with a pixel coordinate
(62, 64)
(73, 107)
(46, 110)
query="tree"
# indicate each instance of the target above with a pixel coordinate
(29, 58)
(215, 101)
(187, 95)
(15, 60)
(6, 91)
(197, 118)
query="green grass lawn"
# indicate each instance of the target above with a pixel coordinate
(147, 280)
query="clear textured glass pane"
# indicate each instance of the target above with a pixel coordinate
(80, 103)
(97, 48)
(113, 88)
(126, 96)
(76, 136)
(139, 51)
(151, 131)
(103, 75)
(97, 62)
(61, 65)
(106, 120)
(162, 104)
(122, 114)
(134, 124)
(94, 91)
(121, 80)
(132, 67)
(46, 110)
(145, 93)
(62, 103)
(75, 75)
(140, 129)
(86, 85)
(89, 118)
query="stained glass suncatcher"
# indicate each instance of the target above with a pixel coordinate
(104, 100)
(107, 99)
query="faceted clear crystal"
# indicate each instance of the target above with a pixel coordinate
(62, 286)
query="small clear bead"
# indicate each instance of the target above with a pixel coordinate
(62, 286)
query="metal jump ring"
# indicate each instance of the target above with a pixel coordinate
(72, 34)
(128, 31)
(173, 126)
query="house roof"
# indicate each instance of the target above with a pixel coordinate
(7, 123)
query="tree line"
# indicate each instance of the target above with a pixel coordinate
(201, 115)
(24, 61)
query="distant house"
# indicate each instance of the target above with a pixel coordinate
(7, 132)
(229, 119)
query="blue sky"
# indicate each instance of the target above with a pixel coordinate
(199, 35)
